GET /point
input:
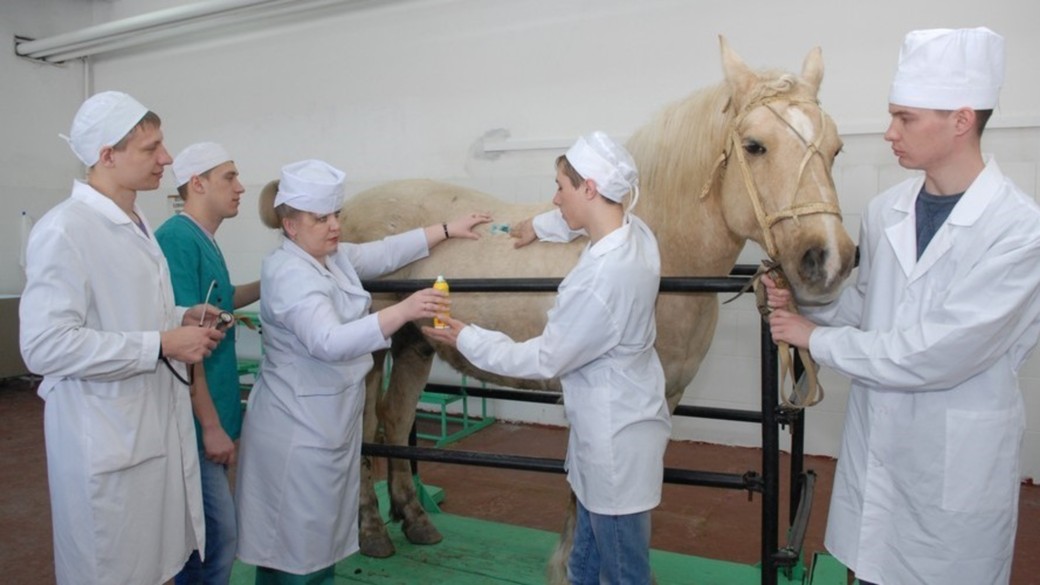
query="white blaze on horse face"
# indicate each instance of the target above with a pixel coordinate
(801, 124)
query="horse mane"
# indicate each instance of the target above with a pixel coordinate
(677, 150)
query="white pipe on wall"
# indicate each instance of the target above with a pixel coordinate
(124, 41)
(127, 27)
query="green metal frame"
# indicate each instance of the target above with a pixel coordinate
(442, 401)
(248, 366)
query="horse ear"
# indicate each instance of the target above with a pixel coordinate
(812, 69)
(740, 78)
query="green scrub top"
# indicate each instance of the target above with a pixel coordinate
(196, 262)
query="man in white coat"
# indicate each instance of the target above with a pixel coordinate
(599, 340)
(99, 323)
(944, 310)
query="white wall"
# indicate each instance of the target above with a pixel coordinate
(408, 89)
(36, 167)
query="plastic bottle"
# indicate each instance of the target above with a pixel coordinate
(441, 285)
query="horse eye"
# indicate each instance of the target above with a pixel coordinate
(754, 148)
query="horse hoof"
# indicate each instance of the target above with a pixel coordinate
(422, 533)
(377, 547)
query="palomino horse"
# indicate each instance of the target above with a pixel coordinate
(747, 159)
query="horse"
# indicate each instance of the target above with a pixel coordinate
(747, 159)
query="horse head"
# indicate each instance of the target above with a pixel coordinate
(774, 174)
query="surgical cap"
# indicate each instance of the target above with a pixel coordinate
(311, 185)
(596, 156)
(103, 120)
(947, 69)
(197, 159)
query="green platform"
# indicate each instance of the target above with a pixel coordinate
(477, 552)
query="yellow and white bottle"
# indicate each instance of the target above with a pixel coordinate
(442, 285)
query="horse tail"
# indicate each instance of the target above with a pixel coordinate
(556, 572)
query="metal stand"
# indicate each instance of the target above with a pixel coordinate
(771, 417)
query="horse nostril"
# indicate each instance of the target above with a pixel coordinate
(812, 265)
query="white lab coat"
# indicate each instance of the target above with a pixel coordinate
(122, 464)
(299, 477)
(599, 340)
(926, 488)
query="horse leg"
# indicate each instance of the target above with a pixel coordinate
(373, 537)
(413, 358)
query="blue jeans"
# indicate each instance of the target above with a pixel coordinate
(613, 550)
(221, 530)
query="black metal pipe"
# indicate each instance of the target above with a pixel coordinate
(694, 284)
(536, 396)
(730, 414)
(545, 397)
(770, 457)
(747, 481)
(797, 448)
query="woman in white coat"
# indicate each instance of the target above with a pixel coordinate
(298, 477)
(599, 340)
(943, 313)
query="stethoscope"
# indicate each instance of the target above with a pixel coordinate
(224, 320)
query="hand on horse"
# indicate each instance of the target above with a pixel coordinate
(790, 328)
(523, 232)
(448, 335)
(777, 298)
(462, 226)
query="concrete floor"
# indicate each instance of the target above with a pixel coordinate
(713, 523)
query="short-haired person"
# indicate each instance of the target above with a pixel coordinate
(599, 341)
(99, 322)
(944, 310)
(299, 475)
(207, 181)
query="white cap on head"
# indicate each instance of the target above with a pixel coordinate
(947, 69)
(103, 120)
(311, 185)
(197, 159)
(596, 156)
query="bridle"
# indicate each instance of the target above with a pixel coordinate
(811, 392)
(734, 147)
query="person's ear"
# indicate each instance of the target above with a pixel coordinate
(592, 190)
(964, 120)
(106, 157)
(195, 184)
(289, 226)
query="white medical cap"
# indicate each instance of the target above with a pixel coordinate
(311, 185)
(596, 156)
(947, 69)
(197, 159)
(103, 120)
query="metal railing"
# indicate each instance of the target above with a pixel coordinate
(771, 417)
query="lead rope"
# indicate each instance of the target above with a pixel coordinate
(811, 392)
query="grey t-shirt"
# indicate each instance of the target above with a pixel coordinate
(932, 211)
